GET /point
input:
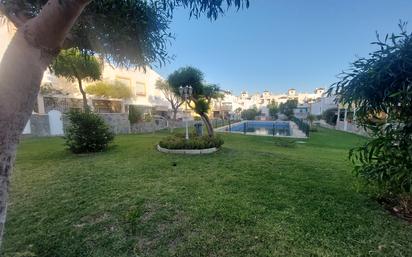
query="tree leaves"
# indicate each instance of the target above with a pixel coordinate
(128, 33)
(74, 65)
(379, 87)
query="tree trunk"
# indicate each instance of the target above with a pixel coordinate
(31, 50)
(207, 123)
(173, 123)
(85, 105)
(174, 114)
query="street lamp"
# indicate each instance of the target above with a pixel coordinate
(186, 93)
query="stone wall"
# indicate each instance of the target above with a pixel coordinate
(118, 122)
(148, 127)
(39, 125)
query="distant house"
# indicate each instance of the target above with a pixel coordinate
(322, 104)
(301, 111)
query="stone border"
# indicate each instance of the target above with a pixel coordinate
(187, 151)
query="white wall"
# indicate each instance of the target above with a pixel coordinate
(322, 105)
(132, 77)
(6, 34)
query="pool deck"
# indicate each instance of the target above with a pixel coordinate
(295, 131)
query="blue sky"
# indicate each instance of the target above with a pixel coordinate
(279, 44)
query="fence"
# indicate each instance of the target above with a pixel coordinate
(55, 122)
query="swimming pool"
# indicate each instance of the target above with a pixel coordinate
(267, 128)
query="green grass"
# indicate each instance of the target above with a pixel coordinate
(258, 196)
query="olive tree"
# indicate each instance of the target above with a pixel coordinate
(379, 89)
(202, 93)
(110, 90)
(126, 33)
(77, 67)
(171, 96)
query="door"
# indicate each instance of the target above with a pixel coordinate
(56, 123)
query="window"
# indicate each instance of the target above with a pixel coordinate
(140, 88)
(124, 80)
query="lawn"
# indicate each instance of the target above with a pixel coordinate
(258, 196)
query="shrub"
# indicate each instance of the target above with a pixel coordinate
(287, 108)
(178, 141)
(250, 114)
(330, 116)
(87, 133)
(135, 114)
(148, 117)
(379, 87)
(110, 90)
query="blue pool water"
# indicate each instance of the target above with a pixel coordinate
(272, 128)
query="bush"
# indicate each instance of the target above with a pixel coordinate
(379, 87)
(386, 160)
(330, 116)
(287, 108)
(178, 141)
(87, 133)
(110, 90)
(135, 114)
(250, 114)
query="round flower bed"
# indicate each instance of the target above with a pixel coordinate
(195, 144)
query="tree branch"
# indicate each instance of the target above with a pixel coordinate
(18, 19)
(48, 30)
(188, 103)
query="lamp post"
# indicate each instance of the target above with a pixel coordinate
(186, 93)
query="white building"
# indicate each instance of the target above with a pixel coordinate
(322, 104)
(260, 100)
(142, 84)
(64, 95)
(231, 103)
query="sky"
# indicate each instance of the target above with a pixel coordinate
(280, 44)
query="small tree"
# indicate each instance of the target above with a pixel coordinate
(250, 114)
(273, 109)
(110, 90)
(202, 93)
(76, 66)
(379, 88)
(135, 114)
(171, 96)
(87, 133)
(287, 108)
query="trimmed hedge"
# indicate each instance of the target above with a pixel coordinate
(178, 141)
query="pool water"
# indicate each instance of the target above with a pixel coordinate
(267, 128)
